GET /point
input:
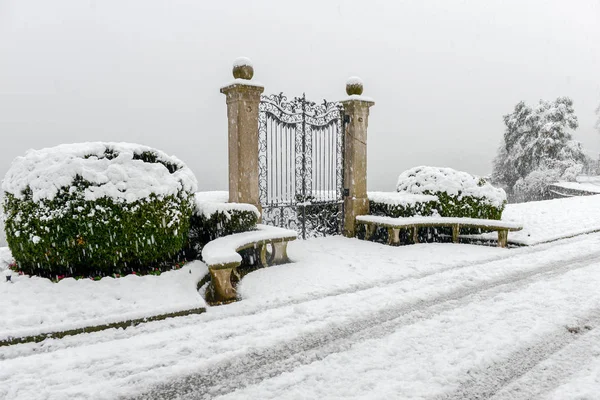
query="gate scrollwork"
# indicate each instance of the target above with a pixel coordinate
(301, 164)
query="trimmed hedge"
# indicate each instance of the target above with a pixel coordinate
(430, 191)
(467, 206)
(213, 217)
(72, 233)
(402, 205)
(459, 194)
(397, 205)
(445, 206)
(203, 229)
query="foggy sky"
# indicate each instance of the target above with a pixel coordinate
(442, 73)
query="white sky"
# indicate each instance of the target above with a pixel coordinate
(442, 73)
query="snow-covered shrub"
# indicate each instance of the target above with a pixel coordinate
(459, 194)
(394, 204)
(535, 185)
(214, 217)
(571, 173)
(96, 208)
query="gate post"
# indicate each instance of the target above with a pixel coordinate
(243, 99)
(356, 120)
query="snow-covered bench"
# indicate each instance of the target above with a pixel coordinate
(371, 222)
(222, 254)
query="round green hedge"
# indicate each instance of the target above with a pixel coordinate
(95, 209)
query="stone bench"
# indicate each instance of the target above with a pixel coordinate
(222, 255)
(371, 222)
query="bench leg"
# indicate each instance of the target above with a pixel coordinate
(455, 233)
(262, 253)
(277, 255)
(221, 280)
(393, 236)
(502, 238)
(280, 256)
(369, 230)
(415, 234)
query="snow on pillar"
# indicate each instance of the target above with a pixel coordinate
(356, 108)
(243, 99)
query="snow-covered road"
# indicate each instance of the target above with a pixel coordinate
(354, 319)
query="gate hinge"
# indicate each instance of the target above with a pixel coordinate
(346, 118)
(346, 192)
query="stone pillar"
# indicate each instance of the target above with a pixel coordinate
(356, 108)
(243, 99)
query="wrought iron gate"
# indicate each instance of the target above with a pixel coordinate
(301, 164)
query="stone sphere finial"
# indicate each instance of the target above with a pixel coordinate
(354, 85)
(242, 68)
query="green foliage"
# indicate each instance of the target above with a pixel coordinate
(203, 229)
(466, 206)
(70, 233)
(446, 206)
(72, 236)
(408, 210)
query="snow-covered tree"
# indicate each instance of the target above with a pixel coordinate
(501, 173)
(538, 139)
(535, 185)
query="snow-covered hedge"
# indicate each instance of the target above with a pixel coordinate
(394, 204)
(214, 217)
(96, 208)
(459, 194)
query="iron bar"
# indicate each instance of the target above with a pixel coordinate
(300, 164)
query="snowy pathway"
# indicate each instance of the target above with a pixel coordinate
(432, 321)
(548, 220)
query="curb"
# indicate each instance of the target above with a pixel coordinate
(96, 328)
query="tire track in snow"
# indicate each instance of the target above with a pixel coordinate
(522, 252)
(25, 349)
(553, 371)
(501, 380)
(265, 363)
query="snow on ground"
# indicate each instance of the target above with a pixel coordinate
(584, 384)
(551, 219)
(570, 372)
(329, 265)
(586, 187)
(349, 319)
(586, 183)
(34, 305)
(434, 357)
